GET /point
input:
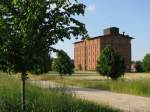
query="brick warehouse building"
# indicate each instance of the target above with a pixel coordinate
(87, 51)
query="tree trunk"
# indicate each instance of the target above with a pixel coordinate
(23, 92)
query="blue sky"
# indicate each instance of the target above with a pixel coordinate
(131, 16)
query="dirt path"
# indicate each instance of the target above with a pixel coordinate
(127, 103)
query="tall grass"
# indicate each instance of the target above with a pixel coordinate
(42, 100)
(134, 86)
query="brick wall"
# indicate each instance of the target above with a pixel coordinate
(122, 45)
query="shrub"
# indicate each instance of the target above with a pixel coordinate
(63, 64)
(110, 64)
(146, 63)
(139, 66)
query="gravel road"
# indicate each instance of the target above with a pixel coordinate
(124, 102)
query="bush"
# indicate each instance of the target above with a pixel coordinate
(139, 66)
(110, 64)
(63, 64)
(146, 63)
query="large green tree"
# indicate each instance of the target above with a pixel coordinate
(146, 62)
(110, 64)
(42, 64)
(63, 64)
(29, 28)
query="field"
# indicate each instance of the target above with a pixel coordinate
(131, 83)
(42, 100)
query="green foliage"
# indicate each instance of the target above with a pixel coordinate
(139, 66)
(146, 63)
(110, 64)
(63, 64)
(43, 64)
(28, 29)
(43, 100)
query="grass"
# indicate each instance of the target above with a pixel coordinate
(134, 86)
(42, 100)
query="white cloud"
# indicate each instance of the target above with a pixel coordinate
(91, 7)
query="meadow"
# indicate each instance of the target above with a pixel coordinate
(131, 83)
(42, 100)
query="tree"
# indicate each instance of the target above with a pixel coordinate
(139, 66)
(110, 64)
(63, 64)
(43, 64)
(29, 28)
(146, 62)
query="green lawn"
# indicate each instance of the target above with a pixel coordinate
(42, 100)
(132, 84)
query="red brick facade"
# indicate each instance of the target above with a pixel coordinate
(87, 51)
